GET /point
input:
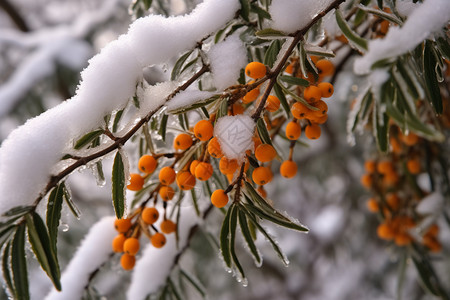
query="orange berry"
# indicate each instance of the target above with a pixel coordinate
(147, 164)
(122, 225)
(265, 153)
(262, 175)
(391, 179)
(431, 243)
(413, 165)
(194, 165)
(158, 240)
(385, 167)
(410, 139)
(372, 205)
(214, 148)
(182, 141)
(385, 232)
(167, 226)
(219, 199)
(288, 169)
(117, 243)
(384, 27)
(366, 181)
(396, 147)
(313, 131)
(312, 94)
(293, 130)
(150, 215)
(300, 111)
(136, 182)
(322, 108)
(318, 119)
(262, 191)
(167, 175)
(236, 109)
(204, 171)
(403, 239)
(370, 166)
(203, 130)
(228, 166)
(290, 68)
(272, 103)
(127, 261)
(185, 180)
(166, 192)
(255, 70)
(393, 201)
(251, 95)
(433, 230)
(326, 88)
(324, 68)
(131, 246)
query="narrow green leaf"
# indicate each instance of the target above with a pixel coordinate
(382, 14)
(425, 275)
(381, 130)
(354, 39)
(6, 268)
(73, 208)
(99, 170)
(269, 33)
(179, 64)
(189, 64)
(260, 12)
(248, 238)
(5, 233)
(194, 283)
(294, 80)
(296, 97)
(233, 225)
(18, 211)
(199, 104)
(272, 52)
(223, 109)
(54, 207)
(444, 47)
(279, 93)
(318, 51)
(147, 4)
(87, 138)
(195, 201)
(380, 4)
(116, 121)
(19, 264)
(407, 78)
(224, 236)
(40, 243)
(262, 131)
(118, 185)
(174, 289)
(245, 9)
(432, 86)
(163, 126)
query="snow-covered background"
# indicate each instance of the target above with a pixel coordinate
(340, 258)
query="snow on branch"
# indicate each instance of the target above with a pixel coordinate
(425, 20)
(94, 250)
(107, 84)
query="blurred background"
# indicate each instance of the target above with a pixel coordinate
(44, 44)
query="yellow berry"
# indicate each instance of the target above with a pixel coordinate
(255, 70)
(219, 199)
(203, 130)
(147, 164)
(150, 215)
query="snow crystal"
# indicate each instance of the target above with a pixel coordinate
(154, 96)
(28, 155)
(292, 15)
(428, 18)
(94, 250)
(187, 98)
(235, 135)
(221, 55)
(143, 281)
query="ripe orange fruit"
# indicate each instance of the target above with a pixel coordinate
(290, 68)
(313, 131)
(366, 181)
(251, 95)
(322, 108)
(228, 166)
(312, 94)
(127, 261)
(166, 192)
(203, 130)
(193, 165)
(318, 119)
(117, 243)
(385, 167)
(219, 199)
(370, 166)
(411, 139)
(214, 148)
(272, 103)
(393, 201)
(167, 226)
(372, 205)
(262, 175)
(147, 164)
(236, 109)
(324, 68)
(403, 239)
(131, 246)
(255, 70)
(293, 130)
(385, 231)
(136, 182)
(413, 165)
(167, 175)
(185, 180)
(262, 191)
(300, 111)
(158, 240)
(265, 153)
(204, 171)
(288, 169)
(150, 215)
(182, 141)
(122, 225)
(326, 88)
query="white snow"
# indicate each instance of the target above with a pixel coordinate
(154, 96)
(29, 153)
(292, 15)
(426, 19)
(235, 135)
(152, 269)
(431, 204)
(94, 250)
(187, 98)
(221, 55)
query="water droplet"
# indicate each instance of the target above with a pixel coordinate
(65, 227)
